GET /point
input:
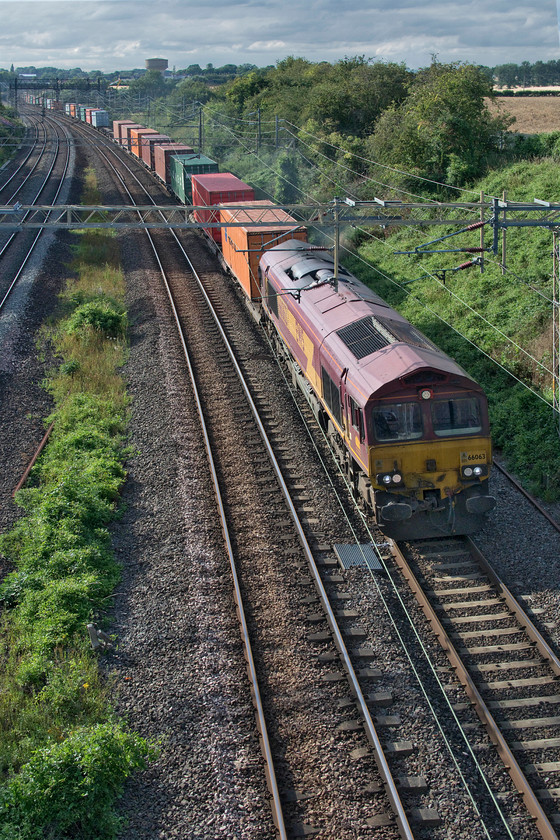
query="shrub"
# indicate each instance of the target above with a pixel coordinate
(101, 315)
(67, 789)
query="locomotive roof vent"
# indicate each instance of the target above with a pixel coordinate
(364, 337)
(306, 267)
(370, 334)
(403, 331)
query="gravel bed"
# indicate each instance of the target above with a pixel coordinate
(524, 550)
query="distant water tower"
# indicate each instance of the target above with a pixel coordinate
(160, 64)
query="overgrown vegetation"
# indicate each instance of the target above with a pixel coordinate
(63, 755)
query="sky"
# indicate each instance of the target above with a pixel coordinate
(118, 35)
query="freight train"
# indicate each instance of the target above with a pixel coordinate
(408, 425)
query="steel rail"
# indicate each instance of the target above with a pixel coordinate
(534, 634)
(511, 764)
(33, 461)
(371, 733)
(27, 177)
(22, 164)
(261, 722)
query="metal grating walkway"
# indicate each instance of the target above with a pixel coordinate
(358, 555)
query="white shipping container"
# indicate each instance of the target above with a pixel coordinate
(100, 119)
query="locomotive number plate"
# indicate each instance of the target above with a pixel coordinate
(473, 458)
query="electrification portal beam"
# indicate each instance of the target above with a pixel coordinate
(397, 214)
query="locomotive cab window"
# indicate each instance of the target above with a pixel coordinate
(397, 421)
(456, 417)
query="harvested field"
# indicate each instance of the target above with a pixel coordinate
(533, 114)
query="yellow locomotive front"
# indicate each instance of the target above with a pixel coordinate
(429, 460)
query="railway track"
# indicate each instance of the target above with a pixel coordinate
(272, 561)
(40, 175)
(260, 553)
(508, 669)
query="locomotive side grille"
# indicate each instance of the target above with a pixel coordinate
(363, 338)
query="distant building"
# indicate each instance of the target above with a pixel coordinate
(160, 64)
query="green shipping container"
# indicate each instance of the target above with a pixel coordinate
(182, 167)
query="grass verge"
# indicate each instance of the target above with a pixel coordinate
(63, 754)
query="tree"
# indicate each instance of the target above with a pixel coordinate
(353, 95)
(507, 75)
(443, 131)
(151, 83)
(190, 90)
(243, 90)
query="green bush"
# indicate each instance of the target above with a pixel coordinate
(101, 315)
(67, 789)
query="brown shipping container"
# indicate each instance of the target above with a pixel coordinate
(117, 126)
(214, 188)
(148, 147)
(162, 155)
(242, 247)
(137, 137)
(125, 134)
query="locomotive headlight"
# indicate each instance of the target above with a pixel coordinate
(389, 479)
(474, 472)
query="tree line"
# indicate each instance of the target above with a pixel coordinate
(356, 114)
(539, 74)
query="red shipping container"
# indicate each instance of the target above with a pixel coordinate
(148, 147)
(214, 188)
(117, 125)
(89, 112)
(162, 155)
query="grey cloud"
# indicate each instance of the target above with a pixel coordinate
(119, 34)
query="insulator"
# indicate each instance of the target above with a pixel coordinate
(473, 250)
(475, 225)
(465, 265)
